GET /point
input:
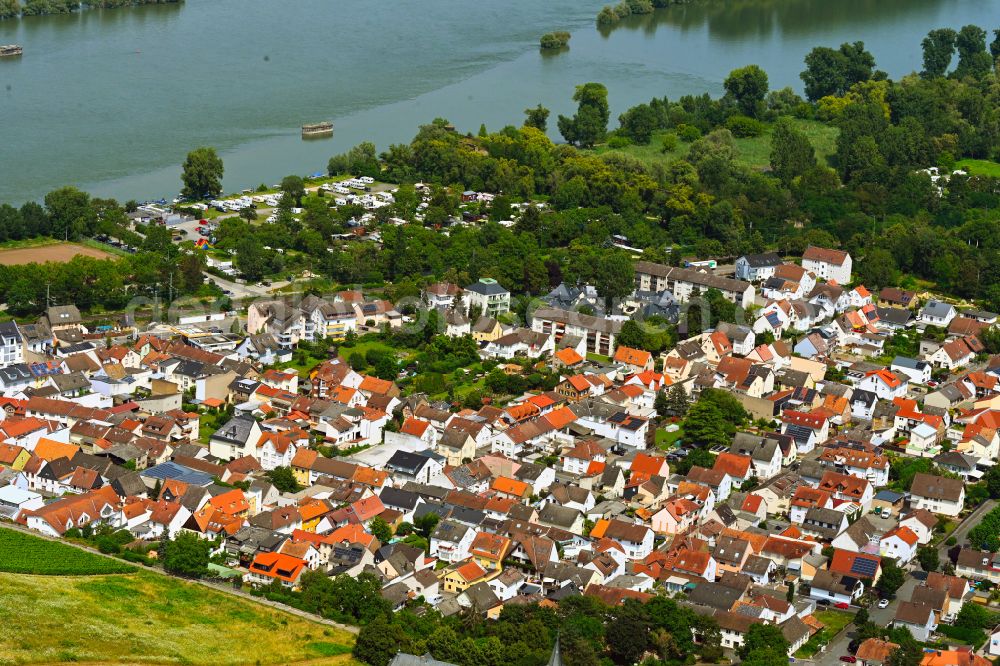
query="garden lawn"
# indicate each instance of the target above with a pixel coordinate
(150, 618)
(26, 554)
(752, 152)
(834, 622)
(979, 167)
(667, 440)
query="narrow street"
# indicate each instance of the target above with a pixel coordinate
(884, 616)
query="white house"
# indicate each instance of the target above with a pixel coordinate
(937, 494)
(11, 344)
(918, 617)
(756, 267)
(954, 354)
(899, 544)
(488, 296)
(451, 541)
(884, 384)
(835, 588)
(831, 265)
(937, 313)
(916, 371)
(236, 439)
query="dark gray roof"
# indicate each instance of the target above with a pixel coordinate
(404, 462)
(937, 309)
(8, 329)
(237, 430)
(898, 316)
(714, 595)
(487, 287)
(397, 497)
(761, 260)
(14, 374)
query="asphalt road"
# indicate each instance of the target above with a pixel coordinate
(884, 616)
(962, 530)
(880, 616)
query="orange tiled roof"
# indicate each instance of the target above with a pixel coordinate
(414, 427)
(507, 486)
(631, 356)
(733, 464)
(49, 450)
(277, 565)
(569, 356)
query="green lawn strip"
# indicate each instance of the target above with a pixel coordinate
(27, 243)
(834, 622)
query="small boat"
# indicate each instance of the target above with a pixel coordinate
(317, 130)
(11, 50)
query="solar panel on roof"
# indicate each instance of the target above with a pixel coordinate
(864, 567)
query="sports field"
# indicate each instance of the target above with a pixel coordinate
(52, 252)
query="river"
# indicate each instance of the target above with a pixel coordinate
(111, 101)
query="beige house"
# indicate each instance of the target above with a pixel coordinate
(457, 446)
(486, 329)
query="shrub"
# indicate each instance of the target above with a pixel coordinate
(669, 142)
(803, 111)
(744, 126)
(554, 40)
(618, 141)
(607, 16)
(688, 133)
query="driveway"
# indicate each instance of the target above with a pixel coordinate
(836, 648)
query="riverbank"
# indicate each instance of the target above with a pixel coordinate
(16, 9)
(132, 146)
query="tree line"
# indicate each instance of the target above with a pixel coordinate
(10, 9)
(91, 283)
(589, 633)
(870, 197)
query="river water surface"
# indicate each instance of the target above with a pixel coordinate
(112, 100)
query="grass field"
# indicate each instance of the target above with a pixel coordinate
(979, 167)
(667, 440)
(42, 252)
(753, 152)
(27, 554)
(834, 622)
(145, 618)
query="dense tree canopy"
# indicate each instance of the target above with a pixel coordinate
(202, 174)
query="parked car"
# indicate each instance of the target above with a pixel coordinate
(883, 603)
(843, 605)
(849, 658)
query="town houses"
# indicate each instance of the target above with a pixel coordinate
(753, 470)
